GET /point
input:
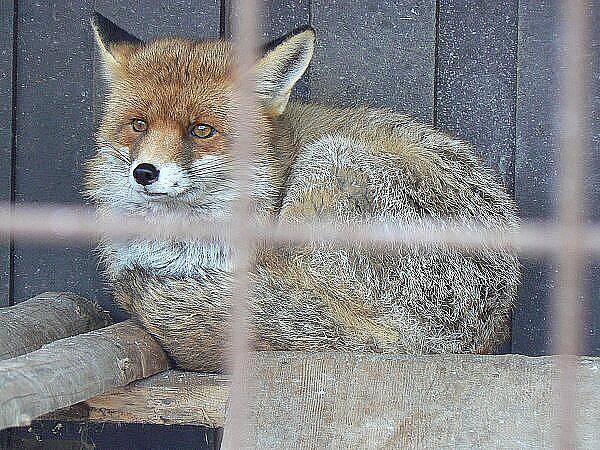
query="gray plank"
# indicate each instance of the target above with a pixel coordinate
(376, 53)
(6, 92)
(592, 184)
(536, 167)
(280, 17)
(476, 83)
(53, 128)
(535, 164)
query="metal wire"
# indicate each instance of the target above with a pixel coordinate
(568, 304)
(568, 240)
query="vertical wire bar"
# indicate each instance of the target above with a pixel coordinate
(568, 308)
(242, 236)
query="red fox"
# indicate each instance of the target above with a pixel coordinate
(164, 150)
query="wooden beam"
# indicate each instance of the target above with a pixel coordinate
(74, 369)
(168, 398)
(45, 318)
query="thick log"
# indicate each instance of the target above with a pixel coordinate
(45, 318)
(74, 369)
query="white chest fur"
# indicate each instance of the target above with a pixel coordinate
(170, 258)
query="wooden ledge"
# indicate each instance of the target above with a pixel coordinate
(343, 400)
(168, 398)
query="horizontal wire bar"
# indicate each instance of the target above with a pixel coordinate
(59, 223)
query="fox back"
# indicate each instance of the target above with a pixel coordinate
(165, 150)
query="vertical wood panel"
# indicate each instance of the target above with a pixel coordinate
(592, 185)
(53, 129)
(280, 17)
(476, 79)
(536, 169)
(476, 85)
(6, 108)
(535, 164)
(375, 53)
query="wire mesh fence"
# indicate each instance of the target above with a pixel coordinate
(568, 239)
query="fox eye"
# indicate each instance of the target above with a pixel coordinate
(139, 125)
(202, 131)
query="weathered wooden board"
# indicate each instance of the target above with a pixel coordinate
(536, 167)
(45, 318)
(171, 397)
(6, 114)
(446, 401)
(342, 400)
(476, 83)
(375, 53)
(74, 369)
(54, 129)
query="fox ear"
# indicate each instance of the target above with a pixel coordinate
(278, 71)
(115, 45)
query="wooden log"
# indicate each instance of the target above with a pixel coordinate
(74, 369)
(45, 318)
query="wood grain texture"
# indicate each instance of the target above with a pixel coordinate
(476, 85)
(171, 397)
(536, 169)
(45, 318)
(344, 401)
(375, 53)
(54, 127)
(6, 133)
(74, 369)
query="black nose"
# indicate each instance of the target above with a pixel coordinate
(145, 174)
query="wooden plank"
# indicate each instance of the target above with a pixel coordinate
(476, 83)
(45, 318)
(74, 369)
(536, 170)
(171, 397)
(476, 68)
(375, 53)
(443, 401)
(341, 400)
(592, 183)
(535, 163)
(54, 129)
(6, 134)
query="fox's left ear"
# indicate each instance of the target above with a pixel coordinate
(278, 71)
(115, 44)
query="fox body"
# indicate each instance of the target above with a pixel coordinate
(165, 151)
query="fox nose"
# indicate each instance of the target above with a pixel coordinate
(145, 174)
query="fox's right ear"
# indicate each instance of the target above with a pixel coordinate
(115, 44)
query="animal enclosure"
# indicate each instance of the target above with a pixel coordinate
(484, 71)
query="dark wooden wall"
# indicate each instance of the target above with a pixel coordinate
(484, 70)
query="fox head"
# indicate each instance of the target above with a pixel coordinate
(165, 138)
